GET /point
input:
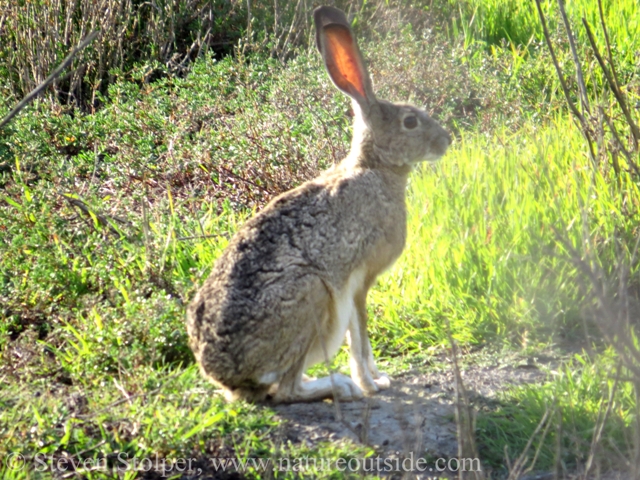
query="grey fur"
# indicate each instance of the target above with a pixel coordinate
(293, 281)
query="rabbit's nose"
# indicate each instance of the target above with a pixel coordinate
(441, 143)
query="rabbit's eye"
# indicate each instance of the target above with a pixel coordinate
(410, 122)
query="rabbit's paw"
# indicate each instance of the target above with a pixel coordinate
(383, 381)
(346, 389)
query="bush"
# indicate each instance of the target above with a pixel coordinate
(36, 36)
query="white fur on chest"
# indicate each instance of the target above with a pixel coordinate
(345, 309)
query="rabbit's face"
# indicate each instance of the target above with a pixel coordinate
(396, 134)
(406, 134)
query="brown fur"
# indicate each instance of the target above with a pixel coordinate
(282, 290)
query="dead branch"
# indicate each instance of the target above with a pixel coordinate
(612, 84)
(576, 60)
(34, 93)
(563, 83)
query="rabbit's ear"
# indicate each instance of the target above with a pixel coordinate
(342, 58)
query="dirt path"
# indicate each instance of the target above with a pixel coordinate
(416, 415)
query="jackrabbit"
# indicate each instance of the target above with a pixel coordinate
(294, 279)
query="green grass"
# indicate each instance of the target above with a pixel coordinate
(164, 416)
(517, 22)
(504, 39)
(575, 400)
(483, 254)
(109, 222)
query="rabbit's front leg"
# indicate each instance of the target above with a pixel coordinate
(381, 379)
(363, 368)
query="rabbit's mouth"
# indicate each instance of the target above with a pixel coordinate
(437, 148)
(431, 157)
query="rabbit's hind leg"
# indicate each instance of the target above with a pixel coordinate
(292, 388)
(334, 385)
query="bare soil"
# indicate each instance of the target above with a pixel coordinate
(416, 416)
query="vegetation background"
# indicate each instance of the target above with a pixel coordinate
(123, 182)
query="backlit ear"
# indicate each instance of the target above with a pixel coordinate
(341, 56)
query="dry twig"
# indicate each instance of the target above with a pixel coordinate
(34, 93)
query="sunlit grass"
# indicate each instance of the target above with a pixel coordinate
(482, 254)
(516, 21)
(573, 404)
